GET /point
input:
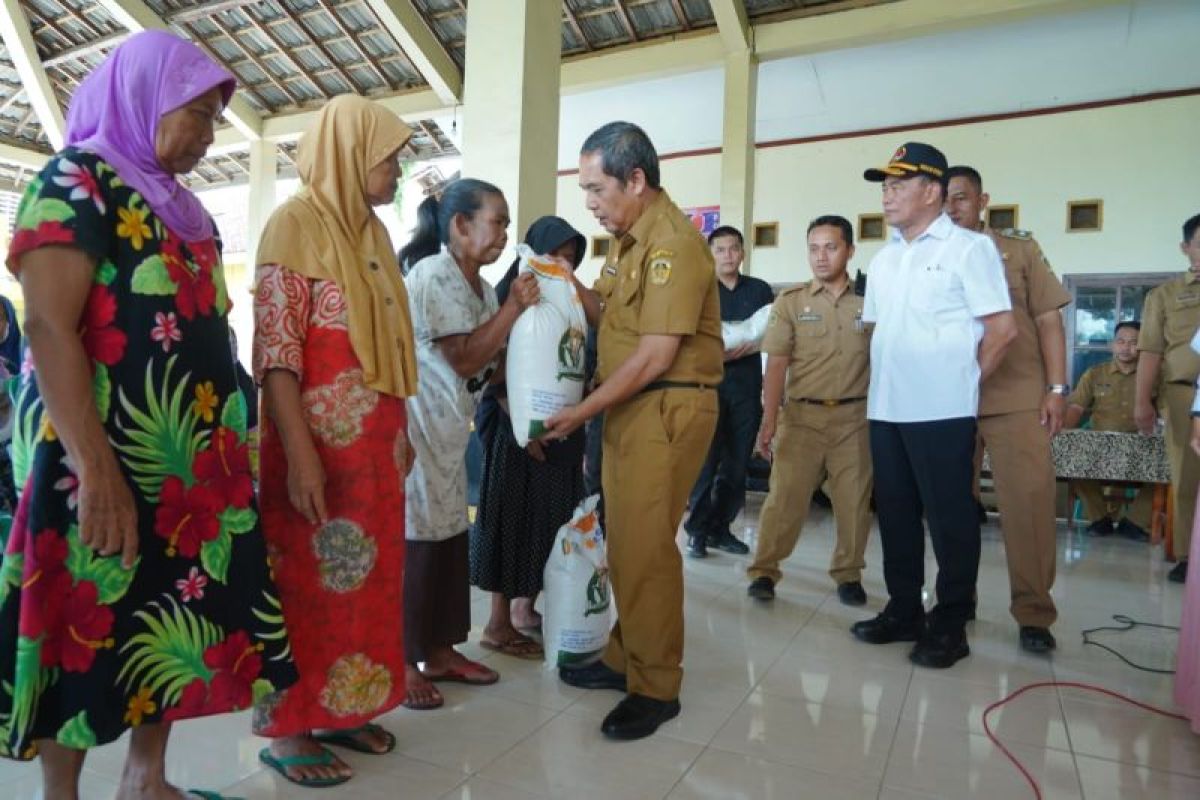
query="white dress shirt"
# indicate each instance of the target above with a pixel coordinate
(926, 298)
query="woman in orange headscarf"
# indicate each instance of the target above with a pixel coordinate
(333, 350)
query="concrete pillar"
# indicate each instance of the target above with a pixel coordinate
(263, 173)
(737, 142)
(511, 104)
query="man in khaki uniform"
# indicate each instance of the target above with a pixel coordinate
(817, 340)
(1108, 392)
(1170, 318)
(659, 362)
(1021, 406)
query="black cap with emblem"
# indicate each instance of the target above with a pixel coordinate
(910, 160)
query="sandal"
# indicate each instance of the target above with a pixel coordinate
(519, 646)
(281, 763)
(349, 739)
(435, 701)
(204, 794)
(473, 674)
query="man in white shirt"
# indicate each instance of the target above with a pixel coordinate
(939, 300)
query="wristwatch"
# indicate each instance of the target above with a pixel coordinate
(1059, 388)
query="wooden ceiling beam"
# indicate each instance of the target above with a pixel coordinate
(684, 22)
(623, 15)
(302, 26)
(733, 24)
(80, 51)
(573, 21)
(416, 39)
(358, 45)
(22, 50)
(240, 44)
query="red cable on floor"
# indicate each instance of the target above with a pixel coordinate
(1037, 791)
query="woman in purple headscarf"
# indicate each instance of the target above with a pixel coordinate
(135, 589)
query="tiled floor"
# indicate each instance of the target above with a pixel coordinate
(780, 702)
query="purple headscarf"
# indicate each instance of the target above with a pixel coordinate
(115, 112)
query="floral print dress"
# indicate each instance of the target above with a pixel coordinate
(87, 648)
(340, 581)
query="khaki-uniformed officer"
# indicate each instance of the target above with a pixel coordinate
(1170, 318)
(1107, 392)
(816, 338)
(1022, 405)
(660, 360)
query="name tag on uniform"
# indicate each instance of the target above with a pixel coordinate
(610, 269)
(808, 318)
(1187, 297)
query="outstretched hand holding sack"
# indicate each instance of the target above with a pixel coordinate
(545, 369)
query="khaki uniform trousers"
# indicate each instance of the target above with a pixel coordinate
(1023, 474)
(654, 446)
(814, 441)
(1185, 464)
(1097, 506)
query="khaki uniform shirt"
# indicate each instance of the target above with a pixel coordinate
(1108, 393)
(662, 282)
(1170, 317)
(1019, 383)
(826, 340)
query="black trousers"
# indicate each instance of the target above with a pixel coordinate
(720, 491)
(925, 469)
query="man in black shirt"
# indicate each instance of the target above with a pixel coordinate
(720, 492)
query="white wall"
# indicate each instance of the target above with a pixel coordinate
(1141, 159)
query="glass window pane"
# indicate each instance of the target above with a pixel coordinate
(1132, 298)
(1085, 358)
(1095, 315)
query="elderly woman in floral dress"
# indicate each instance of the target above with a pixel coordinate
(334, 351)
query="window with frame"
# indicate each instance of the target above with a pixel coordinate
(1099, 303)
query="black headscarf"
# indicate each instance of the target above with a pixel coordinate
(544, 236)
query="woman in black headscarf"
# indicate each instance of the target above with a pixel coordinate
(527, 493)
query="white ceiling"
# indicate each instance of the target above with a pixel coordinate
(1114, 51)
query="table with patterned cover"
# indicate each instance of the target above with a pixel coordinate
(1118, 459)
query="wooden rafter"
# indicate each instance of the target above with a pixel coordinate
(623, 15)
(358, 45)
(285, 51)
(302, 26)
(573, 21)
(79, 51)
(684, 22)
(240, 43)
(22, 50)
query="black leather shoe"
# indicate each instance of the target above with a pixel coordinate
(728, 543)
(940, 650)
(852, 594)
(885, 629)
(1101, 527)
(1179, 573)
(596, 675)
(762, 588)
(1131, 530)
(1037, 640)
(696, 547)
(636, 717)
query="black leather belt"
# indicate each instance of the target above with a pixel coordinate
(654, 386)
(828, 403)
(1182, 383)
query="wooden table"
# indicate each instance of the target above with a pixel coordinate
(1118, 459)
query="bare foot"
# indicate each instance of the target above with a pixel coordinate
(523, 615)
(421, 695)
(290, 746)
(370, 737)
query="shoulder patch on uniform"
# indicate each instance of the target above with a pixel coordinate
(1015, 233)
(659, 271)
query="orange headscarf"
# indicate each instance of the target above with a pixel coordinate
(328, 231)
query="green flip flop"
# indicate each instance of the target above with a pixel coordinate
(204, 794)
(281, 763)
(349, 739)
